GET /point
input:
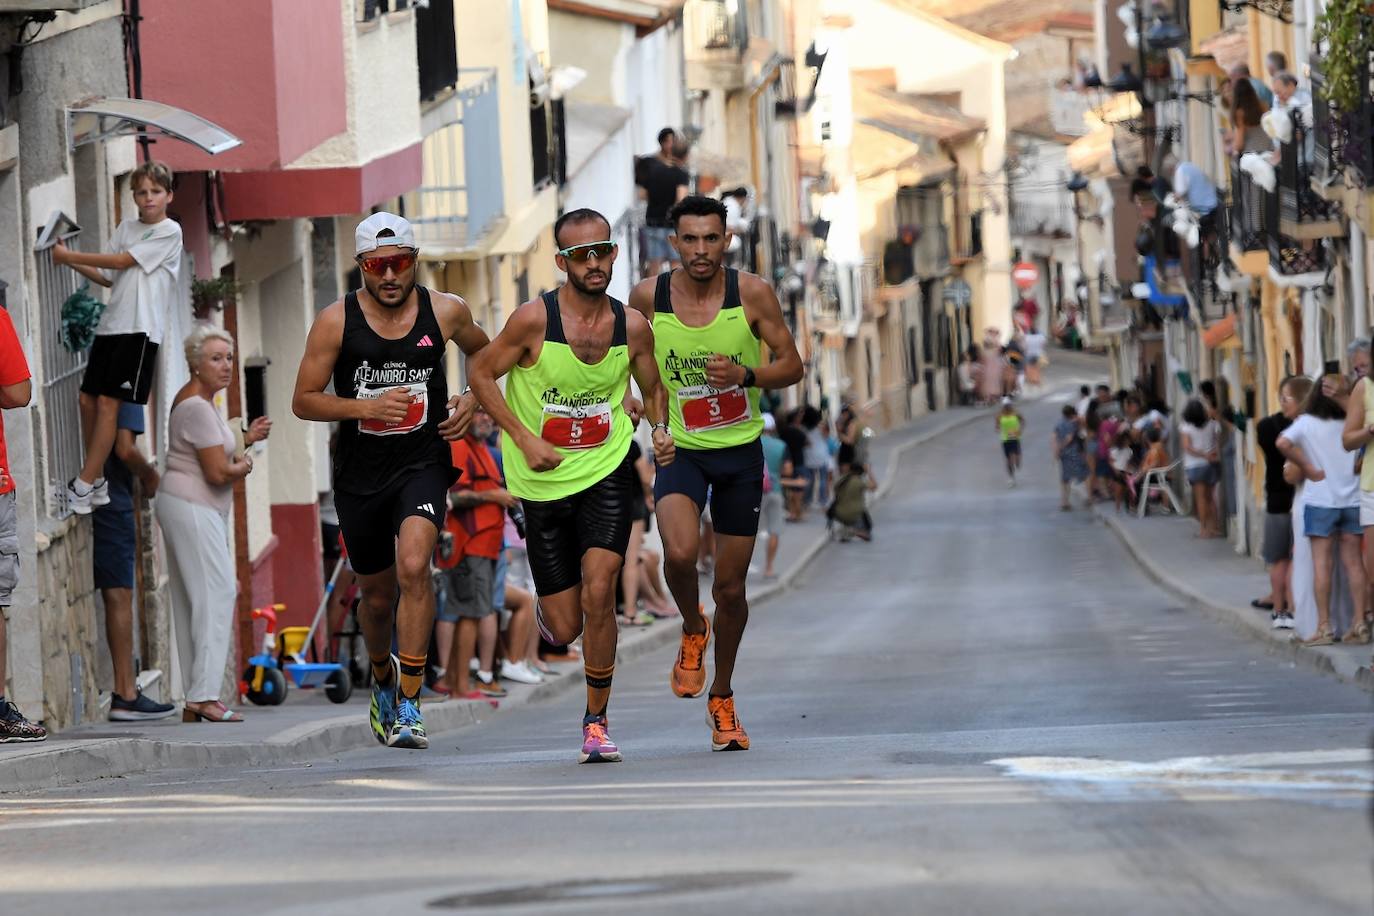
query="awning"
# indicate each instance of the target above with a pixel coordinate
(1221, 333)
(102, 119)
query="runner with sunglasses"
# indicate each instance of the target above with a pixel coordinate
(382, 347)
(566, 442)
(708, 323)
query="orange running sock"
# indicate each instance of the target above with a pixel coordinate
(412, 675)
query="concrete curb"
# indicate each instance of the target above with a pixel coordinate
(1243, 620)
(46, 767)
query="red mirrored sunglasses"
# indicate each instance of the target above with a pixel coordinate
(398, 263)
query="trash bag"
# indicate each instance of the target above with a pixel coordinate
(80, 317)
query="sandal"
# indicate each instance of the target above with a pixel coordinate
(1322, 638)
(1358, 633)
(214, 711)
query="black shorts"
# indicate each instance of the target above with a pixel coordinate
(1011, 447)
(120, 366)
(371, 523)
(558, 532)
(734, 476)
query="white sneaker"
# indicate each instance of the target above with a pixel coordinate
(1285, 622)
(100, 492)
(80, 503)
(1276, 621)
(520, 673)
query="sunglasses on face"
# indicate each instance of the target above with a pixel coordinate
(579, 253)
(398, 263)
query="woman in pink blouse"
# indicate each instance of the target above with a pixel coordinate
(193, 506)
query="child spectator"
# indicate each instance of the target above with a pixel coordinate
(1120, 457)
(145, 254)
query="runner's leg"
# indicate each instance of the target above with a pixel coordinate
(732, 608)
(599, 570)
(415, 617)
(377, 620)
(679, 524)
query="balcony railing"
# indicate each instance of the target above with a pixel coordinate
(1302, 212)
(436, 48)
(462, 198)
(1344, 140)
(718, 25)
(968, 243)
(1052, 220)
(1246, 222)
(1069, 110)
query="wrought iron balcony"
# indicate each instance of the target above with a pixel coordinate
(1046, 219)
(1344, 140)
(715, 37)
(968, 244)
(1302, 212)
(1245, 212)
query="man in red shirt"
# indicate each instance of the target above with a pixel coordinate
(477, 524)
(15, 391)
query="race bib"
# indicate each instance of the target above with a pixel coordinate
(415, 413)
(576, 427)
(704, 407)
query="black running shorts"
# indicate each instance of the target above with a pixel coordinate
(370, 524)
(734, 476)
(560, 531)
(120, 366)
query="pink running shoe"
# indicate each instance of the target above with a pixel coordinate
(597, 746)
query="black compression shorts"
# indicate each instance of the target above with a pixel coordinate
(370, 524)
(734, 476)
(558, 532)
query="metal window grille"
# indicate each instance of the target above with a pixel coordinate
(62, 372)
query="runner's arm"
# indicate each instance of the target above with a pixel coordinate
(498, 358)
(456, 319)
(322, 345)
(644, 367)
(761, 304)
(642, 298)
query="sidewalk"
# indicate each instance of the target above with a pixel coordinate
(1210, 575)
(308, 726)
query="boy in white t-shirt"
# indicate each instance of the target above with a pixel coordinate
(145, 256)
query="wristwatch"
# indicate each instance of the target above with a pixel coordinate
(748, 378)
(662, 426)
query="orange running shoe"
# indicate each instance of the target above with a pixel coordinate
(726, 732)
(689, 669)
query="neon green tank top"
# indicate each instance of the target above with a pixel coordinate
(1010, 425)
(702, 417)
(575, 406)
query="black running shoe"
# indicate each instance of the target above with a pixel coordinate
(139, 709)
(15, 728)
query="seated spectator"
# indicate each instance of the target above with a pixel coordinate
(1156, 457)
(193, 506)
(850, 507)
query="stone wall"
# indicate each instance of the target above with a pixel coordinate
(67, 621)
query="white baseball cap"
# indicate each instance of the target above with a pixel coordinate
(382, 229)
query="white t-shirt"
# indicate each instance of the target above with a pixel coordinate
(143, 294)
(1204, 439)
(1153, 418)
(1083, 406)
(1035, 345)
(1320, 441)
(1121, 458)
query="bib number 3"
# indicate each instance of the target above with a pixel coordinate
(706, 408)
(576, 427)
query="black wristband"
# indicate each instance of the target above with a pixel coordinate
(748, 378)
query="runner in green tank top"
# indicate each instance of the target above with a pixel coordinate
(568, 357)
(1010, 426)
(710, 324)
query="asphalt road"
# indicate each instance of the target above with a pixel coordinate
(987, 710)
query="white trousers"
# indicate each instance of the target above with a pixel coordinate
(201, 570)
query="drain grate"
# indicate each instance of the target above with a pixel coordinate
(625, 888)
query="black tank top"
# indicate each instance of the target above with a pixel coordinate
(371, 455)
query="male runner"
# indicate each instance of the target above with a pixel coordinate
(566, 442)
(383, 348)
(708, 323)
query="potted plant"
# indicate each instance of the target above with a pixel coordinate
(211, 294)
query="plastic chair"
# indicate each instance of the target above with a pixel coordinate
(1157, 479)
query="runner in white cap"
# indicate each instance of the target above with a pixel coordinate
(383, 348)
